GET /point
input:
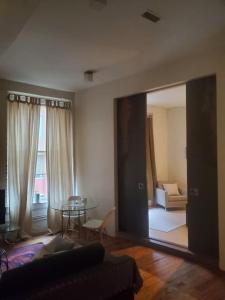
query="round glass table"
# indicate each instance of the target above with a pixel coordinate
(74, 208)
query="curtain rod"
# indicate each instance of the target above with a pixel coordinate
(39, 96)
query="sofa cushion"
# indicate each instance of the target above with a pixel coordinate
(177, 198)
(160, 183)
(171, 189)
(45, 270)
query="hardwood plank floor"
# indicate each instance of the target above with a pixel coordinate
(166, 277)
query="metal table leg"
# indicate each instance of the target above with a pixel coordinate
(79, 224)
(62, 223)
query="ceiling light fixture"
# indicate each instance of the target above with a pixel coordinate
(88, 75)
(151, 16)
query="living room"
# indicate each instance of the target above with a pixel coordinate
(72, 51)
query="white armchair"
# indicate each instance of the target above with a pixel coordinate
(170, 201)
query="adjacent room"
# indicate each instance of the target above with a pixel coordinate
(167, 165)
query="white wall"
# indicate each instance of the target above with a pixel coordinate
(95, 127)
(94, 150)
(160, 126)
(169, 130)
(177, 163)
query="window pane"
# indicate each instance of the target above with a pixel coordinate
(40, 190)
(41, 163)
(40, 186)
(42, 130)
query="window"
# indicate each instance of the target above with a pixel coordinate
(40, 186)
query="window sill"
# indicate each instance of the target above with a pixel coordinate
(39, 205)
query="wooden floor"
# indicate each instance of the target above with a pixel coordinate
(167, 277)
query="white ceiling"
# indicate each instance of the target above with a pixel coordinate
(169, 97)
(52, 42)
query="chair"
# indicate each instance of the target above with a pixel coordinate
(73, 215)
(170, 201)
(99, 226)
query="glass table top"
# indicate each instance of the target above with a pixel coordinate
(74, 205)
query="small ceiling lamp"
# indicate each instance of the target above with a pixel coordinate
(88, 75)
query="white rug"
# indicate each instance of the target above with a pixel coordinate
(160, 219)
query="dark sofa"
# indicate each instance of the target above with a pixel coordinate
(83, 273)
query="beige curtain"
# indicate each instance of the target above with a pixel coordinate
(60, 171)
(151, 168)
(23, 126)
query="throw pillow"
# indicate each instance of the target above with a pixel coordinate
(57, 244)
(63, 245)
(41, 253)
(171, 189)
(46, 254)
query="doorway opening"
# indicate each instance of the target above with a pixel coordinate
(167, 165)
(137, 193)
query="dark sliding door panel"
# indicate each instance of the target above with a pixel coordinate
(202, 210)
(131, 155)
